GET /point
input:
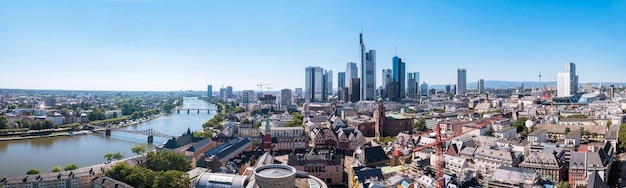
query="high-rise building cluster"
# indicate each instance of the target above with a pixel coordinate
(318, 84)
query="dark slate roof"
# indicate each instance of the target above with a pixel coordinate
(598, 158)
(375, 154)
(577, 160)
(191, 149)
(595, 181)
(295, 160)
(180, 141)
(107, 182)
(171, 144)
(572, 135)
(364, 173)
(228, 150)
(611, 135)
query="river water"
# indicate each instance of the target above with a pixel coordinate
(18, 156)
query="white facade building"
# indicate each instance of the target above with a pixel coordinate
(563, 87)
(247, 96)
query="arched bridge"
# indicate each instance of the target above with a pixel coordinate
(151, 133)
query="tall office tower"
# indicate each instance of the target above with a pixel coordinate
(351, 72)
(328, 84)
(247, 96)
(223, 93)
(481, 86)
(412, 85)
(342, 94)
(387, 79)
(285, 97)
(354, 90)
(392, 91)
(521, 88)
(341, 79)
(447, 89)
(573, 78)
(314, 84)
(368, 74)
(611, 91)
(563, 84)
(424, 89)
(461, 81)
(229, 92)
(399, 71)
(299, 91)
(209, 91)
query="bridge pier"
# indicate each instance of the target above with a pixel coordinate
(150, 139)
(198, 111)
(107, 132)
(187, 111)
(208, 111)
(178, 111)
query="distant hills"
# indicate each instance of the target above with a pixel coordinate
(515, 84)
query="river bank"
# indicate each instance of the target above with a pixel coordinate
(18, 156)
(33, 137)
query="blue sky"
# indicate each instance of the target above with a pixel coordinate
(166, 45)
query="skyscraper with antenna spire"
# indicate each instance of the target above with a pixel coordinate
(368, 71)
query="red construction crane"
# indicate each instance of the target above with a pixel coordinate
(438, 144)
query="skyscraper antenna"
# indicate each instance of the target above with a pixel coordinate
(396, 51)
(361, 27)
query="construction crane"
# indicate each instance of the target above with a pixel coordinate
(261, 86)
(438, 144)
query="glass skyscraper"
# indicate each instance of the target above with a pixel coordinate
(399, 71)
(461, 81)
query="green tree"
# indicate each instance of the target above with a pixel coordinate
(255, 112)
(140, 149)
(616, 171)
(567, 130)
(520, 124)
(132, 175)
(296, 121)
(239, 110)
(203, 134)
(118, 156)
(420, 124)
(577, 116)
(32, 171)
(171, 179)
(563, 184)
(56, 169)
(594, 135)
(164, 161)
(608, 124)
(72, 166)
(622, 136)
(4, 122)
(108, 157)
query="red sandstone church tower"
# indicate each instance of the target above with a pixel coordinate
(379, 117)
(267, 137)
